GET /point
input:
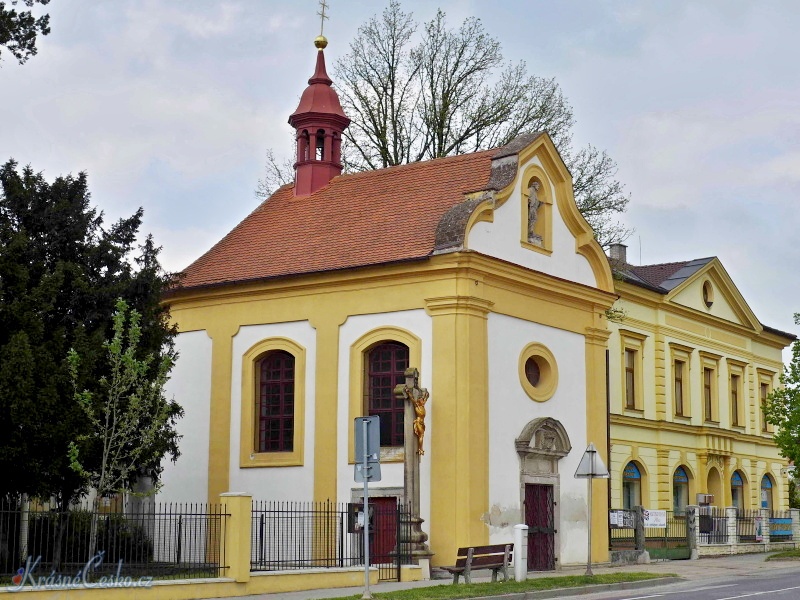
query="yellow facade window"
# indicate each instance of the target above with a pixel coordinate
(632, 344)
(630, 378)
(679, 369)
(681, 379)
(710, 391)
(708, 394)
(735, 393)
(765, 379)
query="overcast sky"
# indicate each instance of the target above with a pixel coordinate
(170, 105)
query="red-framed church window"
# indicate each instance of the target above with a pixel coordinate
(276, 402)
(386, 365)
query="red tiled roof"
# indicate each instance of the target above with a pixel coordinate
(359, 219)
(656, 274)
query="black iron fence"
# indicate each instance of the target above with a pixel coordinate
(159, 541)
(749, 525)
(713, 525)
(670, 541)
(622, 523)
(663, 539)
(310, 535)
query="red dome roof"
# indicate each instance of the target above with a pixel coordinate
(319, 99)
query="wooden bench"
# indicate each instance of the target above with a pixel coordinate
(494, 557)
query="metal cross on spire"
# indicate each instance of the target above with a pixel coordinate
(322, 5)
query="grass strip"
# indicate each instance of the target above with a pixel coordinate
(480, 590)
(785, 555)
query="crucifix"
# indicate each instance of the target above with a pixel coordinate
(322, 16)
(415, 399)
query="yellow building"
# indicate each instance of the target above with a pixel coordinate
(690, 366)
(477, 270)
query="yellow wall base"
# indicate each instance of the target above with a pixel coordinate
(259, 583)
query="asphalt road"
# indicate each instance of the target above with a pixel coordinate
(777, 585)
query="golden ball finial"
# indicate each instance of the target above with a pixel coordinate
(321, 42)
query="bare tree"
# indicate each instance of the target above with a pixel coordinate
(448, 91)
(276, 174)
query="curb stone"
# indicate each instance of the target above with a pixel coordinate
(585, 589)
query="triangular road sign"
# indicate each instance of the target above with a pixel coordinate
(591, 465)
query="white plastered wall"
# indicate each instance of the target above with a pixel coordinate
(418, 323)
(501, 238)
(510, 409)
(274, 483)
(190, 385)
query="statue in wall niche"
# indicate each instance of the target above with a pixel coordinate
(533, 212)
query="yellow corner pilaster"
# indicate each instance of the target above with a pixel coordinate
(460, 414)
(597, 432)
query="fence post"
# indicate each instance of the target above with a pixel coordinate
(732, 513)
(795, 512)
(638, 528)
(692, 518)
(520, 552)
(766, 526)
(236, 533)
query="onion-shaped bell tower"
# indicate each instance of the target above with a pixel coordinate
(319, 122)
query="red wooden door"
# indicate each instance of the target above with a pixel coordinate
(540, 520)
(383, 538)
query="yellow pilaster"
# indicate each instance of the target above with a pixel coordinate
(219, 439)
(460, 417)
(701, 479)
(726, 481)
(662, 480)
(236, 541)
(661, 377)
(326, 400)
(597, 431)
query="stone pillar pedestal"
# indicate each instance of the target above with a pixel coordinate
(731, 513)
(795, 512)
(520, 552)
(693, 539)
(765, 525)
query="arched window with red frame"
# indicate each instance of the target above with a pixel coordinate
(385, 368)
(275, 405)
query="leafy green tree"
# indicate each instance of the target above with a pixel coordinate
(131, 417)
(782, 408)
(18, 30)
(61, 273)
(448, 91)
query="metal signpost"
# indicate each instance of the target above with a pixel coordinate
(591, 467)
(367, 433)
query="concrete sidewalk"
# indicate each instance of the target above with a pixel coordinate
(703, 569)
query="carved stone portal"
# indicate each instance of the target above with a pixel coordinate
(541, 444)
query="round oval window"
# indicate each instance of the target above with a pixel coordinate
(532, 371)
(538, 373)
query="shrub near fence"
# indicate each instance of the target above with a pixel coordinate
(163, 541)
